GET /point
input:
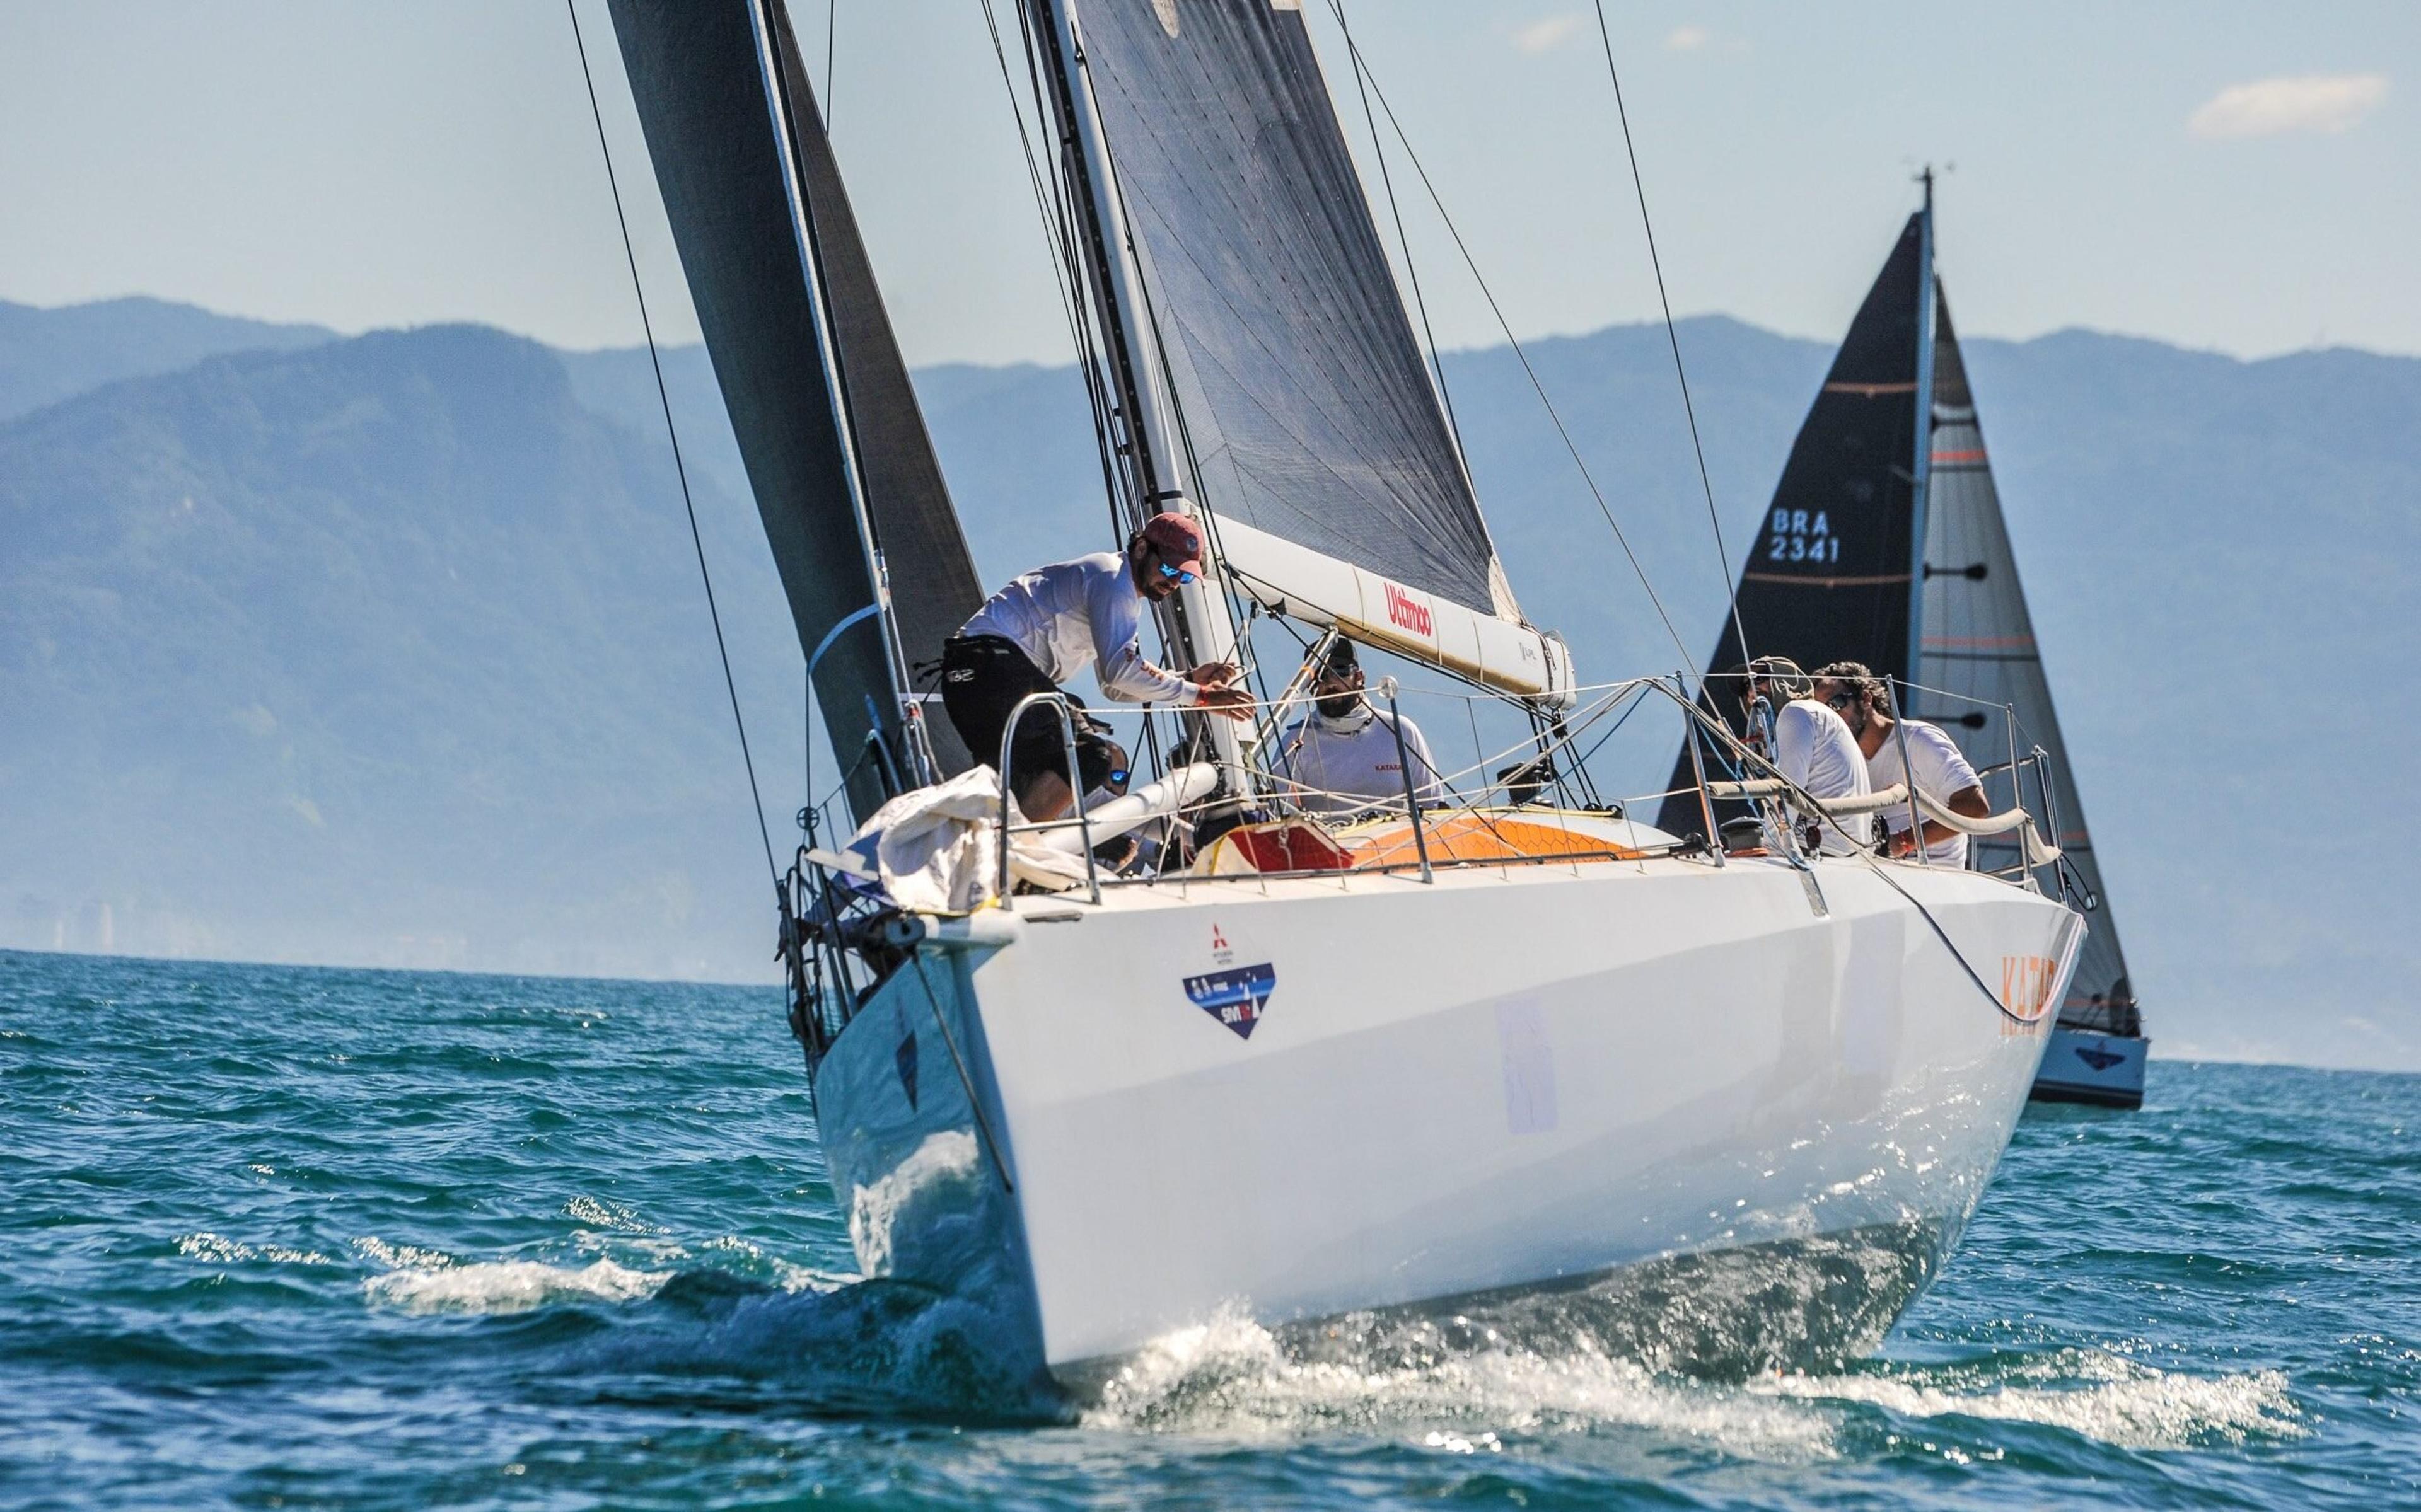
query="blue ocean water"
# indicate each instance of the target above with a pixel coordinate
(290, 1238)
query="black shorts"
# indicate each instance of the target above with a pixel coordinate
(983, 677)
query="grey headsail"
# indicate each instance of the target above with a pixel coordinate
(713, 119)
(1978, 645)
(1827, 575)
(1305, 405)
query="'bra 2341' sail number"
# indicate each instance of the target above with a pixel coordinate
(1800, 536)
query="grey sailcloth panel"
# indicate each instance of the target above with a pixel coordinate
(1979, 650)
(1303, 393)
(702, 99)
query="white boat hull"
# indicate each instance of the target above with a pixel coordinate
(1511, 1078)
(2086, 1066)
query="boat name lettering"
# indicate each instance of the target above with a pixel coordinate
(1404, 612)
(2025, 984)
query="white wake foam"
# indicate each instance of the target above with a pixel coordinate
(495, 1287)
(1232, 1377)
(2132, 1405)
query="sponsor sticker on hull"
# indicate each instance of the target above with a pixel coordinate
(1236, 996)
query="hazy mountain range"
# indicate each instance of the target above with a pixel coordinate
(391, 649)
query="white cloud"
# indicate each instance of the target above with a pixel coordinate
(1548, 34)
(1687, 39)
(2309, 103)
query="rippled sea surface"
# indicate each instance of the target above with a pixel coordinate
(284, 1237)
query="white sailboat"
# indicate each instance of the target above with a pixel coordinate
(1291, 1068)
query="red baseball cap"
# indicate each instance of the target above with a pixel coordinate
(1178, 542)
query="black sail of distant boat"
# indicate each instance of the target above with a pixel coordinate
(1978, 649)
(1827, 575)
(1307, 410)
(761, 218)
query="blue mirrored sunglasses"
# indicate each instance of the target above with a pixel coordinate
(1168, 571)
(1118, 774)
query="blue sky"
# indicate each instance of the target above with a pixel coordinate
(2232, 176)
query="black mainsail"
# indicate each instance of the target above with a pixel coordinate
(777, 270)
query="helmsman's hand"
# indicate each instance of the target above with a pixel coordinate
(1235, 703)
(1213, 675)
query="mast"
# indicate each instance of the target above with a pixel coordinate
(1204, 629)
(1921, 466)
(923, 769)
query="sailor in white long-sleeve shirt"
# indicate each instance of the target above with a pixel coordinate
(1344, 755)
(1047, 626)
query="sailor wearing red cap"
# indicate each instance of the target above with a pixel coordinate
(1044, 627)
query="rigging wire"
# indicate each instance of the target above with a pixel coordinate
(1503, 325)
(832, 25)
(681, 469)
(1396, 213)
(1714, 519)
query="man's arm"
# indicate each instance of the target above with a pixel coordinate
(1967, 801)
(1116, 618)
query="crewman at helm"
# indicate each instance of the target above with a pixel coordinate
(1343, 756)
(1047, 626)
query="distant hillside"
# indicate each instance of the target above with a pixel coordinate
(391, 649)
(387, 650)
(48, 354)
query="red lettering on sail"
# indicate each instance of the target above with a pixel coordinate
(1404, 612)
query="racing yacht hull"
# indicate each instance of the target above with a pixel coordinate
(1302, 1097)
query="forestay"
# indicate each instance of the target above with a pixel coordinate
(1306, 411)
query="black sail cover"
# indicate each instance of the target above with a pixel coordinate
(703, 102)
(1827, 575)
(1303, 394)
(1977, 656)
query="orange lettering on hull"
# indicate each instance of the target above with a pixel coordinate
(2025, 991)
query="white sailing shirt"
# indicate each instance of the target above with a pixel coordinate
(1350, 763)
(1942, 770)
(1070, 615)
(1814, 748)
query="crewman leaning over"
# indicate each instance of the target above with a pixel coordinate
(1047, 626)
(1942, 772)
